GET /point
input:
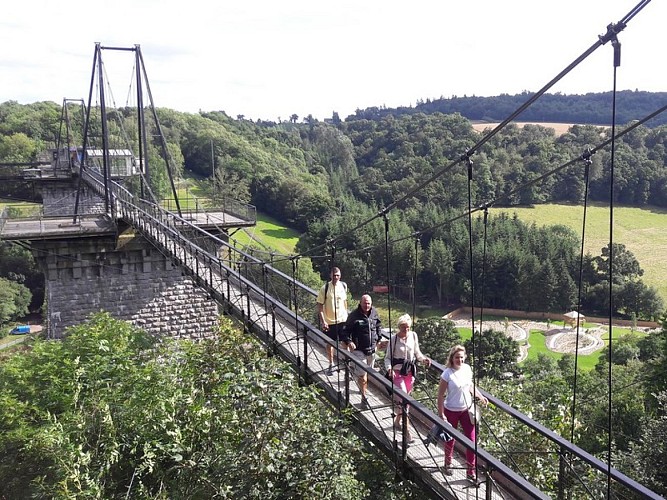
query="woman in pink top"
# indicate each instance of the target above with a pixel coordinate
(403, 349)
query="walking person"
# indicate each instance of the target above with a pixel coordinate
(332, 311)
(399, 362)
(456, 382)
(362, 334)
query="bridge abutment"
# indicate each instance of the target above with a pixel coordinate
(133, 282)
(96, 262)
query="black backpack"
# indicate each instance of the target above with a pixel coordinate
(437, 434)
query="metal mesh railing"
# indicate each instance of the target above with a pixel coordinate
(191, 206)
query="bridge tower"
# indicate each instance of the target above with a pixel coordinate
(91, 258)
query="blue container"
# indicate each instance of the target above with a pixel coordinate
(18, 330)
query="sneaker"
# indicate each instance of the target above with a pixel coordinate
(448, 470)
(329, 372)
(471, 476)
(364, 404)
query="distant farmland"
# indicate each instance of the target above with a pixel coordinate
(559, 128)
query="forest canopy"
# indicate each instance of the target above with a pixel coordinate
(325, 178)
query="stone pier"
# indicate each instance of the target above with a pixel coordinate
(134, 283)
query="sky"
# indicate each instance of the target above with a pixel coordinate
(270, 59)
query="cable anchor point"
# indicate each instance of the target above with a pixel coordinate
(613, 29)
(467, 157)
(611, 35)
(586, 156)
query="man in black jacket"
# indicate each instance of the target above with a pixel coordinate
(362, 333)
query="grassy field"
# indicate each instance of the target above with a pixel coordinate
(270, 235)
(642, 231)
(22, 208)
(12, 340)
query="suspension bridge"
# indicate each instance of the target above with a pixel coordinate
(278, 309)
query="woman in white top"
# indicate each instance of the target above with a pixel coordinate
(456, 382)
(403, 346)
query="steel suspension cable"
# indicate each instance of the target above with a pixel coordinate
(616, 63)
(499, 199)
(587, 166)
(414, 281)
(295, 265)
(612, 30)
(483, 284)
(335, 311)
(392, 343)
(507, 195)
(472, 306)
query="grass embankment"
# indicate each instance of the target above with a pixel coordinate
(269, 235)
(21, 208)
(10, 341)
(642, 230)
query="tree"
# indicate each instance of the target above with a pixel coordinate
(436, 337)
(17, 264)
(650, 450)
(18, 148)
(656, 367)
(540, 367)
(634, 297)
(625, 264)
(624, 350)
(439, 262)
(112, 412)
(14, 300)
(227, 184)
(494, 354)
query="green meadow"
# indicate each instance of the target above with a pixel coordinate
(269, 234)
(642, 230)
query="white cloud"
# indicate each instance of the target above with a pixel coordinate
(265, 59)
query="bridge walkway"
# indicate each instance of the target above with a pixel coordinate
(290, 336)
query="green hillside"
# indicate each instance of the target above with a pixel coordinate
(269, 235)
(642, 231)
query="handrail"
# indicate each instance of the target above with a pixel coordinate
(562, 443)
(231, 206)
(3, 218)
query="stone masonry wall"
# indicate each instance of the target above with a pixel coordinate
(134, 283)
(59, 198)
